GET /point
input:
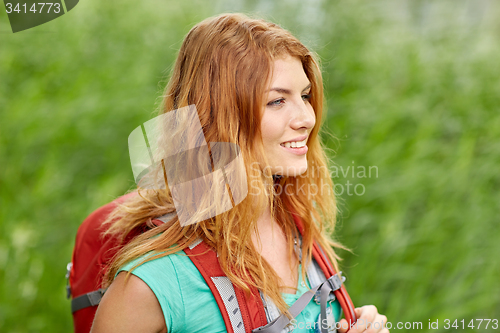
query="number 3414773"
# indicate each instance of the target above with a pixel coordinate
(474, 323)
(36, 8)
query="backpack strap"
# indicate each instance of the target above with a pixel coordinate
(325, 288)
(241, 311)
(327, 268)
(245, 312)
(86, 300)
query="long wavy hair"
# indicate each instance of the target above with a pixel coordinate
(224, 67)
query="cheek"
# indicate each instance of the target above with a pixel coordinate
(268, 130)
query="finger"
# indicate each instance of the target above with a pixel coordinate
(382, 319)
(359, 311)
(366, 315)
(342, 326)
(378, 324)
(369, 312)
(360, 326)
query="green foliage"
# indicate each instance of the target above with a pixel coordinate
(421, 104)
(411, 92)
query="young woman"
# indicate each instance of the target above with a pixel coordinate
(255, 85)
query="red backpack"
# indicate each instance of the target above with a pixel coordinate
(242, 312)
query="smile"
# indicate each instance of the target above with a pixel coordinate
(294, 144)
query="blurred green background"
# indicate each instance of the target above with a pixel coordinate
(413, 91)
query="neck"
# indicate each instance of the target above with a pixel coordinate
(266, 227)
(271, 243)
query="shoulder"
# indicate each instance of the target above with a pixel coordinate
(171, 283)
(139, 297)
(129, 305)
(162, 273)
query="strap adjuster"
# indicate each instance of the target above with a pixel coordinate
(86, 300)
(335, 281)
(95, 297)
(69, 266)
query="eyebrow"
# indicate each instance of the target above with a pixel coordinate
(287, 91)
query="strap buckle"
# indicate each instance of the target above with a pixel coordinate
(86, 300)
(69, 266)
(95, 297)
(335, 283)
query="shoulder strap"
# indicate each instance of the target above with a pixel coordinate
(244, 312)
(327, 268)
(241, 311)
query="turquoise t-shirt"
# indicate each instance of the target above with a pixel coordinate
(188, 304)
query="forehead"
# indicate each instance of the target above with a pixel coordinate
(288, 72)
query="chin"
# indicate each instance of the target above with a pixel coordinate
(299, 172)
(290, 170)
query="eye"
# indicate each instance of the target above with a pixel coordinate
(277, 102)
(306, 97)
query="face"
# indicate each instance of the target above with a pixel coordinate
(288, 118)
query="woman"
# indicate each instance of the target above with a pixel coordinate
(255, 85)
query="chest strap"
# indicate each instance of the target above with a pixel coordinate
(325, 288)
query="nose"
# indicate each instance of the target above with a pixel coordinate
(303, 116)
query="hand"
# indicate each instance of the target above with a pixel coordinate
(369, 320)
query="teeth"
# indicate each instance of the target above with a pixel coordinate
(294, 144)
(301, 144)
